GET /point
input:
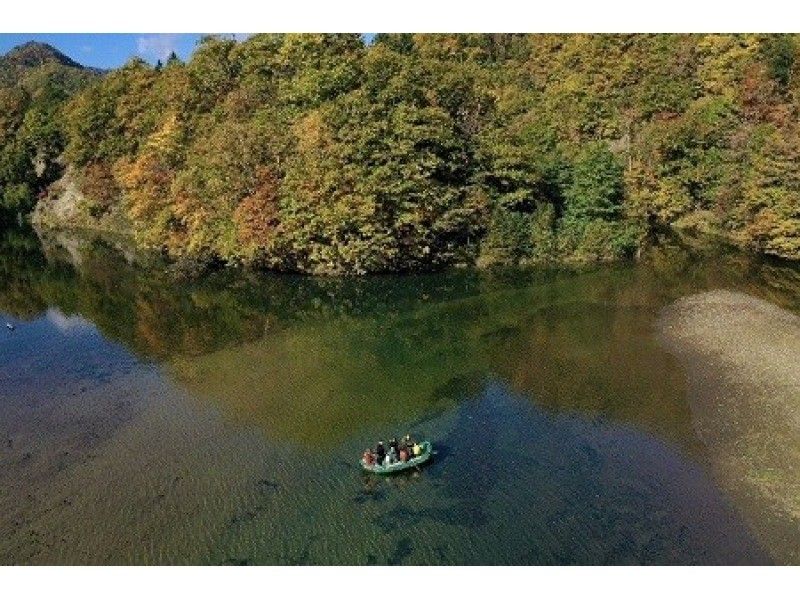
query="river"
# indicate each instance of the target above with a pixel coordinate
(149, 418)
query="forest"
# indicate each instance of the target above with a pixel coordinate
(325, 154)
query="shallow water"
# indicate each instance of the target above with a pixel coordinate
(149, 419)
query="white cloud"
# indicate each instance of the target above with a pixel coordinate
(158, 46)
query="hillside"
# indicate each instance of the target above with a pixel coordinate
(35, 81)
(317, 153)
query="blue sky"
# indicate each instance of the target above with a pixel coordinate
(110, 50)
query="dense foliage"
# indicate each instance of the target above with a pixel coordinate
(35, 81)
(321, 154)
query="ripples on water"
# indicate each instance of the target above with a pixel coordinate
(145, 420)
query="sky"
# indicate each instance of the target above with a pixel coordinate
(110, 50)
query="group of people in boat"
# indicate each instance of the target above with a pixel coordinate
(397, 452)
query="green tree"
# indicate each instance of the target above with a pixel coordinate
(596, 190)
(780, 53)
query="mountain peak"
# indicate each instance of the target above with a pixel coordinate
(32, 54)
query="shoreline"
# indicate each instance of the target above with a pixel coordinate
(742, 361)
(197, 265)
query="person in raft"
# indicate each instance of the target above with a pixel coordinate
(368, 457)
(406, 448)
(380, 453)
(416, 449)
(398, 451)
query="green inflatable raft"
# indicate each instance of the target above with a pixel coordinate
(424, 456)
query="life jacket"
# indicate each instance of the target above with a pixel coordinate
(417, 450)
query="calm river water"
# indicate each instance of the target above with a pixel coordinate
(149, 419)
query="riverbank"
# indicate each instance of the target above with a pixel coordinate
(67, 213)
(742, 358)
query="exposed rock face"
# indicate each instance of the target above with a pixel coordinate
(742, 357)
(66, 207)
(62, 206)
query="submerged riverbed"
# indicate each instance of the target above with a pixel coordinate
(150, 419)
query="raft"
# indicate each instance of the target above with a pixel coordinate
(425, 455)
